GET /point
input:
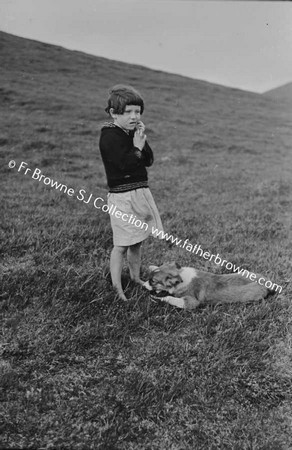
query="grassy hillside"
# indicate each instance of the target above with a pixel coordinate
(80, 369)
(282, 93)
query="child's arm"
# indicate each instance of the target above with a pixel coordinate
(140, 142)
(120, 155)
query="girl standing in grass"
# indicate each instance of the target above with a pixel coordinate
(126, 154)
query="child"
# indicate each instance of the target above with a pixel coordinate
(126, 154)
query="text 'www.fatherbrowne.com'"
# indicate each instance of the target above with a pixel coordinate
(197, 249)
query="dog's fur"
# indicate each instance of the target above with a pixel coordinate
(189, 288)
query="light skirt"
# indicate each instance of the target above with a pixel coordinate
(133, 216)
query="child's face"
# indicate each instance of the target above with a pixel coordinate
(129, 119)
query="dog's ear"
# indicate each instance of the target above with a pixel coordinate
(172, 269)
(175, 264)
(152, 268)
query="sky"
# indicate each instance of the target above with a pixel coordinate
(243, 44)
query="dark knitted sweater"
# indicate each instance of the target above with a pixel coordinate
(125, 165)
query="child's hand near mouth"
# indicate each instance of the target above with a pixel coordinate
(140, 126)
(139, 139)
(139, 136)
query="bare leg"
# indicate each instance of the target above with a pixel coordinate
(134, 260)
(116, 265)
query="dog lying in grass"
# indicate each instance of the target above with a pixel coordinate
(186, 287)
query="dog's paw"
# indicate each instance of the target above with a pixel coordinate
(158, 296)
(147, 286)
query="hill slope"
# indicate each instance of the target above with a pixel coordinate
(67, 91)
(282, 93)
(79, 369)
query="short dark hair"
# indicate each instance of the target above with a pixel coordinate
(120, 96)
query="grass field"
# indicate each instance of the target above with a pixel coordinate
(79, 369)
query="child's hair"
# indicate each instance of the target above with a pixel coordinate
(120, 96)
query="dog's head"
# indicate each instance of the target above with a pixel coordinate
(164, 278)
